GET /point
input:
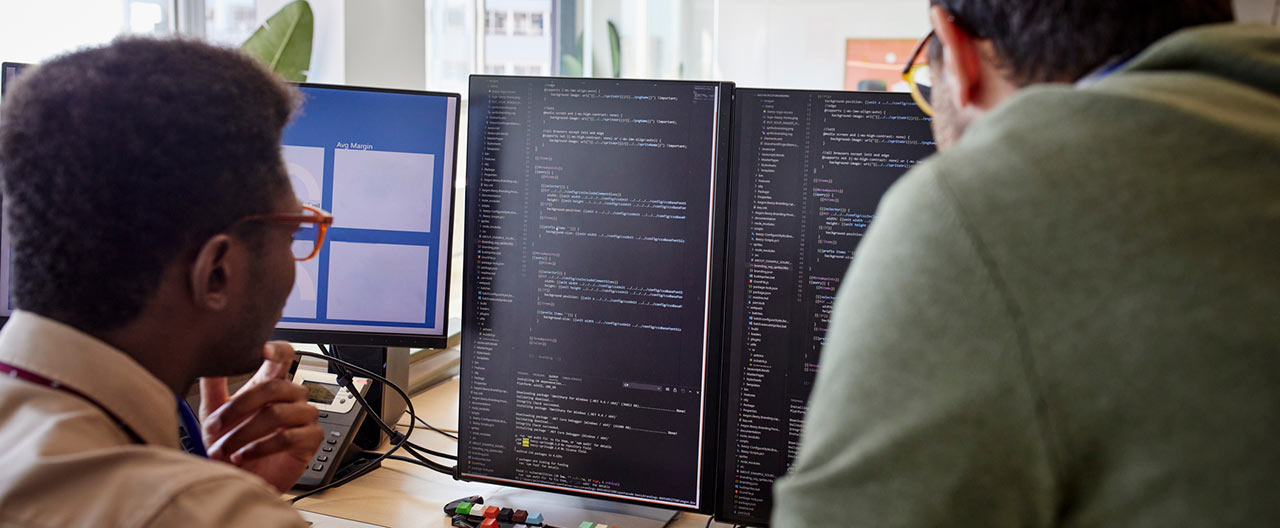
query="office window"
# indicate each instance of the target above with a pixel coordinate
(451, 44)
(520, 49)
(536, 24)
(495, 22)
(521, 25)
(37, 30)
(528, 69)
(230, 22)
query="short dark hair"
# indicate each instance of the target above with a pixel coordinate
(117, 160)
(1064, 40)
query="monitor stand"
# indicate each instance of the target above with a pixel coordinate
(569, 511)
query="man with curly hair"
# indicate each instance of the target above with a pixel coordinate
(152, 220)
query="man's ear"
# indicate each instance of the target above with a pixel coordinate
(211, 273)
(961, 58)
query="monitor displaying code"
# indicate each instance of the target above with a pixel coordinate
(809, 171)
(592, 280)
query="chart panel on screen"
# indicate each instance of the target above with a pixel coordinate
(382, 161)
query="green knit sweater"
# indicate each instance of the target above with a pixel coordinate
(1072, 317)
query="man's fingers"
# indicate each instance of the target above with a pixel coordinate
(277, 357)
(301, 442)
(279, 352)
(263, 424)
(249, 401)
(213, 393)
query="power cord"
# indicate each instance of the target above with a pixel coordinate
(711, 518)
(448, 433)
(429, 426)
(347, 381)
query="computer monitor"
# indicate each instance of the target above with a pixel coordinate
(8, 72)
(594, 250)
(383, 162)
(809, 171)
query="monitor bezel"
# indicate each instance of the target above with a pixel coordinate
(716, 307)
(4, 87)
(725, 489)
(387, 339)
(4, 72)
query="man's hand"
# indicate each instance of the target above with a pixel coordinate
(267, 428)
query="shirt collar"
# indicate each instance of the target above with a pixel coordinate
(1101, 72)
(103, 373)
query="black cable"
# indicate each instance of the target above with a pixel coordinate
(429, 426)
(334, 353)
(410, 460)
(347, 380)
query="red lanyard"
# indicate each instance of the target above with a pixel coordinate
(31, 377)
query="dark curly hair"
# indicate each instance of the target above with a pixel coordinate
(119, 159)
(1064, 40)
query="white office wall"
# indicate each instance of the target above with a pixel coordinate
(386, 43)
(801, 43)
(1265, 11)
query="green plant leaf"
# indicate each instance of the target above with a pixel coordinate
(570, 66)
(283, 42)
(615, 49)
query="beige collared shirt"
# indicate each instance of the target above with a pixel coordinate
(65, 461)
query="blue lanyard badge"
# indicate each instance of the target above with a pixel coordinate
(189, 430)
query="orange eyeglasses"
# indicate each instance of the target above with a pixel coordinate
(920, 77)
(310, 216)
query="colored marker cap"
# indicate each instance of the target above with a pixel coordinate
(534, 518)
(490, 523)
(505, 514)
(463, 508)
(519, 516)
(587, 524)
(491, 512)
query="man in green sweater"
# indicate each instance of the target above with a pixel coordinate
(1071, 315)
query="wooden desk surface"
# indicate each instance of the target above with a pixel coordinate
(402, 494)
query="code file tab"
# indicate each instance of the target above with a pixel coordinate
(809, 171)
(593, 258)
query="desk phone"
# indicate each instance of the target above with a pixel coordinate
(340, 417)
